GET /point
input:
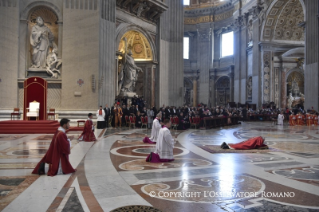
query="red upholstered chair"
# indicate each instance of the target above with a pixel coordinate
(146, 119)
(81, 122)
(132, 122)
(127, 120)
(176, 122)
(191, 121)
(143, 122)
(134, 119)
(16, 112)
(51, 113)
(172, 120)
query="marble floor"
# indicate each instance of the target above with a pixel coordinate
(112, 174)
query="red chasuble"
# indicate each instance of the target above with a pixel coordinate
(252, 143)
(88, 134)
(59, 150)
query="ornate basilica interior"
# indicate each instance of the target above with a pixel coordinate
(66, 58)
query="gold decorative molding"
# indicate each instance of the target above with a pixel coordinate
(197, 20)
(208, 18)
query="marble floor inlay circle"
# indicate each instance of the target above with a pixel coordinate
(208, 189)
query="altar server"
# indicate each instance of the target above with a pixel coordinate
(100, 114)
(155, 130)
(281, 119)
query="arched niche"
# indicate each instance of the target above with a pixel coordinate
(188, 91)
(52, 19)
(282, 22)
(223, 91)
(142, 45)
(124, 29)
(138, 44)
(295, 82)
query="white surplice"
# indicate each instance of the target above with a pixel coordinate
(155, 130)
(100, 117)
(165, 144)
(281, 119)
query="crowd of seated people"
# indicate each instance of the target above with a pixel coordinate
(184, 117)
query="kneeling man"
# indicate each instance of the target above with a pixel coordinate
(57, 155)
(88, 132)
(155, 130)
(164, 146)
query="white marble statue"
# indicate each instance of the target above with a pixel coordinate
(41, 40)
(53, 64)
(250, 32)
(290, 100)
(129, 73)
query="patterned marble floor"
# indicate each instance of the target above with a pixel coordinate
(112, 174)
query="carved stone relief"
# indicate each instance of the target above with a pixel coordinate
(266, 77)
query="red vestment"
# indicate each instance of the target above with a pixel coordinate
(292, 120)
(252, 143)
(88, 134)
(59, 150)
(299, 119)
(309, 119)
(315, 120)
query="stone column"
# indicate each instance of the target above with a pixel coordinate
(60, 24)
(213, 89)
(283, 92)
(231, 83)
(153, 102)
(311, 55)
(256, 72)
(205, 48)
(170, 51)
(237, 59)
(194, 92)
(107, 55)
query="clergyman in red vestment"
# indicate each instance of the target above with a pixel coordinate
(88, 132)
(252, 143)
(57, 155)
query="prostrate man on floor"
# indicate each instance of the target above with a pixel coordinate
(164, 145)
(155, 130)
(57, 155)
(88, 132)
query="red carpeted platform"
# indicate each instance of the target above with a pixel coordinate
(32, 127)
(28, 127)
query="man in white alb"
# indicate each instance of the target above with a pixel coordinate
(155, 130)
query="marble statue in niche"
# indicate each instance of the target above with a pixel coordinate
(53, 64)
(250, 32)
(295, 88)
(129, 74)
(290, 100)
(42, 41)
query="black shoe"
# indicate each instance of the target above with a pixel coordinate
(41, 169)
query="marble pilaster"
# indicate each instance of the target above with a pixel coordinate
(311, 55)
(170, 51)
(204, 43)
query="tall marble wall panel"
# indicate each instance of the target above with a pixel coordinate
(311, 55)
(205, 46)
(9, 48)
(171, 63)
(107, 62)
(256, 78)
(237, 72)
(81, 55)
(243, 66)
